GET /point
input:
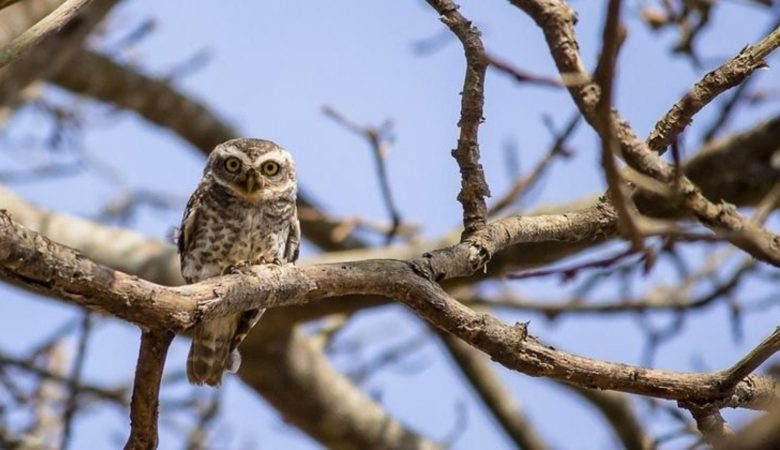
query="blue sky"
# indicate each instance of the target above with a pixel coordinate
(273, 67)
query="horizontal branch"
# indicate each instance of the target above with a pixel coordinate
(30, 259)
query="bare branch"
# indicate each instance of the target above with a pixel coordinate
(379, 146)
(557, 21)
(28, 259)
(474, 188)
(730, 74)
(519, 75)
(752, 360)
(145, 404)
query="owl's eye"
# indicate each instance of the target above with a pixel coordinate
(270, 168)
(232, 164)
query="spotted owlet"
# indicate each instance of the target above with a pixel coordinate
(242, 213)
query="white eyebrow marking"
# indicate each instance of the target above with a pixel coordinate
(233, 151)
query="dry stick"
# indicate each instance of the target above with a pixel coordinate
(477, 369)
(751, 361)
(379, 149)
(713, 84)
(144, 406)
(113, 395)
(78, 366)
(41, 30)
(729, 106)
(474, 188)
(604, 77)
(521, 76)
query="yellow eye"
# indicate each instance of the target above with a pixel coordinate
(232, 164)
(269, 168)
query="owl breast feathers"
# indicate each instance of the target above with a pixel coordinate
(242, 213)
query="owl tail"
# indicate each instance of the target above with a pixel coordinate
(210, 354)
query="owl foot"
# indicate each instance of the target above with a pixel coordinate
(239, 268)
(274, 262)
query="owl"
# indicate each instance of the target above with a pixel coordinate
(242, 213)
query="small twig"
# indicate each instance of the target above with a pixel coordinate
(767, 205)
(521, 76)
(144, 406)
(41, 30)
(379, 146)
(568, 273)
(208, 412)
(524, 184)
(113, 395)
(71, 403)
(474, 188)
(604, 76)
(751, 361)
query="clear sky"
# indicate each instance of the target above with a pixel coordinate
(273, 66)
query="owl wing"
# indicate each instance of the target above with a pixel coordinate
(188, 227)
(292, 247)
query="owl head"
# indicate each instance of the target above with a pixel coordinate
(253, 169)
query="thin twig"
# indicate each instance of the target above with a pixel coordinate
(521, 76)
(474, 188)
(751, 361)
(71, 403)
(524, 184)
(379, 146)
(604, 77)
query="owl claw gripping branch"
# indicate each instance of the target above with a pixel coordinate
(242, 211)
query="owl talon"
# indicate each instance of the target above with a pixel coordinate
(239, 268)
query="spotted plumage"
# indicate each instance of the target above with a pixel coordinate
(242, 213)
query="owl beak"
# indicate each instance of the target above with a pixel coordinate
(253, 182)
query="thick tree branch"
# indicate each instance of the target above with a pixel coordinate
(473, 188)
(157, 261)
(34, 261)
